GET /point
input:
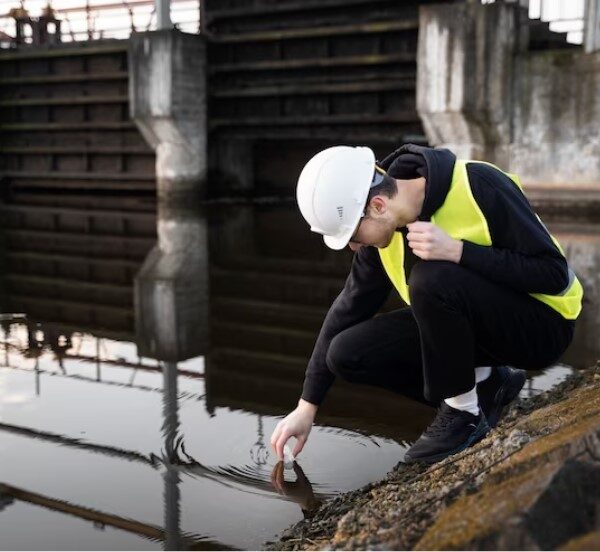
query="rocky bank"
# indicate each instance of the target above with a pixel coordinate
(532, 483)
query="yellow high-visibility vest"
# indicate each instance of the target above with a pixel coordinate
(461, 218)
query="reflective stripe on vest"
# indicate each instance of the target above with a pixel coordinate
(462, 219)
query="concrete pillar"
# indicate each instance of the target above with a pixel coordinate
(465, 71)
(167, 99)
(171, 288)
(592, 26)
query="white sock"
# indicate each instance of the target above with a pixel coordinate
(465, 401)
(482, 373)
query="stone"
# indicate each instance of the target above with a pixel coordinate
(531, 484)
(541, 496)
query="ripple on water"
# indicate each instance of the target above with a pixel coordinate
(334, 460)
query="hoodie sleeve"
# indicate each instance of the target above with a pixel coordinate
(523, 256)
(366, 289)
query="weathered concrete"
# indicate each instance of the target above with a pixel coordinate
(556, 118)
(171, 288)
(481, 93)
(464, 76)
(167, 90)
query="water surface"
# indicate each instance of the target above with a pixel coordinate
(156, 354)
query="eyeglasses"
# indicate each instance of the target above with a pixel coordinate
(377, 177)
(376, 181)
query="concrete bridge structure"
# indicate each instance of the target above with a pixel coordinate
(240, 107)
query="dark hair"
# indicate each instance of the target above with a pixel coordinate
(387, 188)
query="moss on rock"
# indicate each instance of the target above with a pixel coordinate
(488, 496)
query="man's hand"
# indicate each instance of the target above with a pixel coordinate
(297, 423)
(431, 243)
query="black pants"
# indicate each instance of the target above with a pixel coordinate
(457, 321)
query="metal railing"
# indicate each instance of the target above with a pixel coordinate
(84, 20)
(25, 22)
(563, 16)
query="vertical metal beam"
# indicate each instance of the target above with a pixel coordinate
(163, 14)
(201, 16)
(592, 26)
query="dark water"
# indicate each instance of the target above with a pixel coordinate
(136, 412)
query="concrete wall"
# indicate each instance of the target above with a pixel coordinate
(481, 93)
(556, 118)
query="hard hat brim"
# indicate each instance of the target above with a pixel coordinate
(339, 242)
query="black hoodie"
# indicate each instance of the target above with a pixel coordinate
(523, 256)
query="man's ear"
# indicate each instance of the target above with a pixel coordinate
(378, 204)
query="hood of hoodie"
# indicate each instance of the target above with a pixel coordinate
(435, 164)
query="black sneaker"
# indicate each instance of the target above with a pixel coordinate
(501, 388)
(450, 432)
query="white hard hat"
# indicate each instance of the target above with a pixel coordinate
(332, 191)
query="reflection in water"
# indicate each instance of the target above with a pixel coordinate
(259, 451)
(171, 476)
(171, 288)
(151, 405)
(171, 291)
(582, 247)
(301, 491)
